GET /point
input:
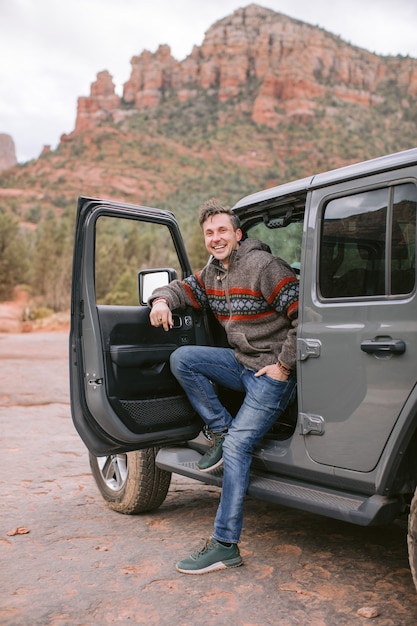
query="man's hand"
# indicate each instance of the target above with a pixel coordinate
(273, 371)
(161, 315)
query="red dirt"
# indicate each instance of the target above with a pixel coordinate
(14, 317)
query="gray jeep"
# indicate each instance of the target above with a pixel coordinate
(347, 448)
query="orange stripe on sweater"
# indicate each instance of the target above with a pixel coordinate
(292, 308)
(281, 284)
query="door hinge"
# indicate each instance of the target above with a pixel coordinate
(311, 424)
(308, 348)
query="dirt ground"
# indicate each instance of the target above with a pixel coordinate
(81, 564)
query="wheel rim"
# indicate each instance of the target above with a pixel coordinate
(113, 470)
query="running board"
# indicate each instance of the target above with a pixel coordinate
(353, 508)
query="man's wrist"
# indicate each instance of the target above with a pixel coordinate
(160, 300)
(282, 368)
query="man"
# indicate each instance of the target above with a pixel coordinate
(254, 296)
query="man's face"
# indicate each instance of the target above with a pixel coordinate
(220, 237)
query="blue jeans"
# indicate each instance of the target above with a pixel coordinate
(196, 369)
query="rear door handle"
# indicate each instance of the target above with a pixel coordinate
(383, 346)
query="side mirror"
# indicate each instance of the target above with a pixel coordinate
(149, 280)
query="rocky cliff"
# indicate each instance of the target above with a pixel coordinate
(7, 152)
(293, 69)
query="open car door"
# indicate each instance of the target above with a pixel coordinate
(123, 395)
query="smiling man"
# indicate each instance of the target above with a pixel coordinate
(254, 296)
(221, 237)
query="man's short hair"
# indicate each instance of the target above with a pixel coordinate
(213, 207)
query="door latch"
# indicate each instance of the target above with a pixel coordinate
(94, 382)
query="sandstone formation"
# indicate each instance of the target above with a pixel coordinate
(294, 67)
(7, 152)
(101, 103)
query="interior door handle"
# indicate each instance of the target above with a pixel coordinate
(383, 346)
(182, 321)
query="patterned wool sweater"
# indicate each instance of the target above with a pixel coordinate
(255, 300)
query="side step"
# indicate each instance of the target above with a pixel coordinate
(348, 507)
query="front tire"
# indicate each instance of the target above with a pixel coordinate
(131, 483)
(412, 538)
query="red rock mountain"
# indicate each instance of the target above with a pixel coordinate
(296, 67)
(265, 99)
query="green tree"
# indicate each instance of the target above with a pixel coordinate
(109, 264)
(13, 255)
(51, 274)
(196, 249)
(125, 292)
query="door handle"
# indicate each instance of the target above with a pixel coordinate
(182, 321)
(383, 346)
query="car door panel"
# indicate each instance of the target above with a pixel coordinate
(371, 226)
(123, 395)
(140, 386)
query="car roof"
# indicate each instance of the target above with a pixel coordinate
(297, 188)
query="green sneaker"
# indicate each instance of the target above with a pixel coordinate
(213, 458)
(211, 557)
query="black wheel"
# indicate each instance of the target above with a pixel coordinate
(412, 538)
(131, 483)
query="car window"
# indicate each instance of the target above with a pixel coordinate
(123, 247)
(367, 244)
(284, 242)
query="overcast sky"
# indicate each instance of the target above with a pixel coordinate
(52, 50)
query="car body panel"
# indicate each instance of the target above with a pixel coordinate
(364, 392)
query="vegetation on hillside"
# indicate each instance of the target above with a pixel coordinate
(174, 157)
